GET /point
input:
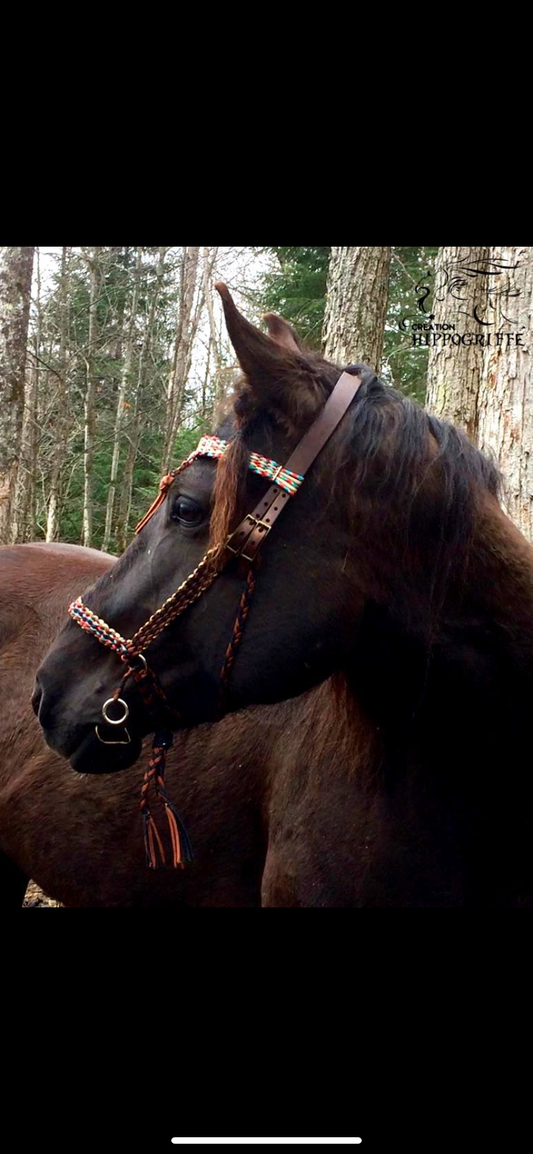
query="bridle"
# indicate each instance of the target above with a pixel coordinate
(244, 542)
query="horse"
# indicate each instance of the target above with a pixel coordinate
(392, 576)
(80, 838)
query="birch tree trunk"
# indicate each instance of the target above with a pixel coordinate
(88, 455)
(23, 514)
(133, 442)
(357, 290)
(58, 459)
(505, 405)
(214, 343)
(455, 371)
(125, 382)
(182, 347)
(16, 268)
(205, 381)
(209, 259)
(34, 441)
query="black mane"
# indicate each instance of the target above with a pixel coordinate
(398, 472)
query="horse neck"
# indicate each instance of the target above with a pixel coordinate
(329, 731)
(451, 681)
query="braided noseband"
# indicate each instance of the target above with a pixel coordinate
(244, 542)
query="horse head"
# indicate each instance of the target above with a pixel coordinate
(376, 532)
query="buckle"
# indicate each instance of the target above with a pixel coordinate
(244, 531)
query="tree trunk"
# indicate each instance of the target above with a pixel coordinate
(455, 371)
(205, 381)
(23, 522)
(58, 459)
(133, 443)
(357, 291)
(209, 259)
(34, 439)
(505, 405)
(178, 375)
(487, 388)
(213, 336)
(125, 382)
(16, 269)
(88, 456)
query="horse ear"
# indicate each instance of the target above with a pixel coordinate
(278, 373)
(282, 333)
(259, 356)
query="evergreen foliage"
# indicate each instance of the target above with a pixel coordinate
(297, 290)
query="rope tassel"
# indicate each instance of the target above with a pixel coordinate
(181, 846)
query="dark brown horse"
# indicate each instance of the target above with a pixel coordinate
(81, 838)
(394, 569)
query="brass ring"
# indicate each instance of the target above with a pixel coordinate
(111, 720)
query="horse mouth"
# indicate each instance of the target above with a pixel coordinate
(87, 753)
(93, 755)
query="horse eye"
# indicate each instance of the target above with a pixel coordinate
(186, 511)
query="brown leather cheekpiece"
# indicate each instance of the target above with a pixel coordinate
(250, 534)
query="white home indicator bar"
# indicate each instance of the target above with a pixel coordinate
(266, 1141)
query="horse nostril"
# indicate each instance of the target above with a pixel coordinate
(36, 699)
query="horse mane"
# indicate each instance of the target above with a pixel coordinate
(398, 472)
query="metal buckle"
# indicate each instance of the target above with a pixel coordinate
(257, 521)
(246, 556)
(254, 522)
(239, 529)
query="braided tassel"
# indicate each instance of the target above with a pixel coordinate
(151, 835)
(181, 846)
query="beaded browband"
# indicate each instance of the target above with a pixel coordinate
(264, 466)
(216, 447)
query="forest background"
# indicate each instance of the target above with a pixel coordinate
(113, 361)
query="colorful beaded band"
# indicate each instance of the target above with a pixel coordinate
(263, 466)
(100, 629)
(216, 447)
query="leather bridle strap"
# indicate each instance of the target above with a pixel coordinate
(250, 534)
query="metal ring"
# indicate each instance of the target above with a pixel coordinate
(138, 657)
(128, 742)
(115, 701)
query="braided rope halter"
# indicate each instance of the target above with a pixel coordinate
(244, 542)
